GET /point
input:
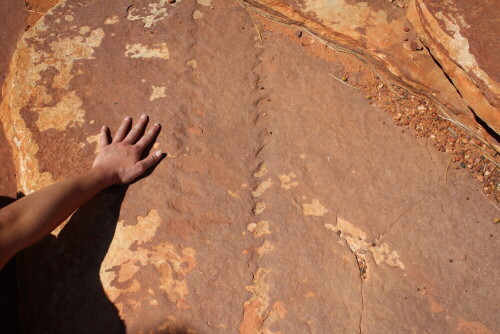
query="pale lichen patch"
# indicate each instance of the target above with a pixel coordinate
(84, 29)
(261, 172)
(261, 229)
(356, 240)
(66, 112)
(255, 307)
(143, 51)
(197, 15)
(206, 3)
(259, 208)
(265, 248)
(261, 188)
(149, 15)
(67, 50)
(314, 209)
(251, 227)
(26, 67)
(287, 180)
(94, 139)
(112, 20)
(158, 92)
(171, 265)
(192, 63)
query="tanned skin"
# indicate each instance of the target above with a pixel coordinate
(34, 216)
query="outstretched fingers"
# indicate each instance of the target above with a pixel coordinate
(104, 140)
(148, 137)
(136, 131)
(148, 162)
(122, 130)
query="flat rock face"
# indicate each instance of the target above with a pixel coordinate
(286, 204)
(464, 39)
(459, 44)
(11, 28)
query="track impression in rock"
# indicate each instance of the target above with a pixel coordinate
(287, 203)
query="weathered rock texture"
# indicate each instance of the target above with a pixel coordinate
(463, 37)
(283, 205)
(11, 28)
(444, 67)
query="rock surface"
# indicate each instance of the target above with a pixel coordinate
(464, 39)
(381, 33)
(283, 206)
(11, 28)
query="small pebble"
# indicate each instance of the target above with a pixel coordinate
(463, 165)
(171, 1)
(298, 33)
(406, 29)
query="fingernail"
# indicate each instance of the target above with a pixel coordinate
(104, 127)
(158, 153)
(127, 118)
(157, 124)
(143, 116)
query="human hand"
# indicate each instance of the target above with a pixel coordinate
(119, 160)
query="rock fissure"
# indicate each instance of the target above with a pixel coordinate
(362, 274)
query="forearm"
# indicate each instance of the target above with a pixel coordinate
(118, 162)
(31, 218)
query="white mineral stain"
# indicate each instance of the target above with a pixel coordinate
(206, 3)
(259, 208)
(171, 266)
(314, 209)
(149, 15)
(84, 29)
(68, 50)
(66, 112)
(112, 20)
(142, 51)
(287, 181)
(260, 229)
(158, 92)
(251, 227)
(343, 16)
(356, 240)
(261, 188)
(197, 15)
(458, 45)
(261, 172)
(26, 67)
(69, 18)
(265, 248)
(255, 307)
(94, 139)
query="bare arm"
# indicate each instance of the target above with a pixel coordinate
(33, 217)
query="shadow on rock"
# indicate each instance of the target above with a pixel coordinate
(9, 317)
(60, 287)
